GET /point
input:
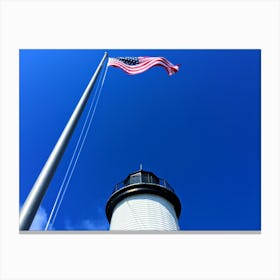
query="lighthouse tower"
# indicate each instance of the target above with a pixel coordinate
(143, 202)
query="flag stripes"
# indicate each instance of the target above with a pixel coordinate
(137, 65)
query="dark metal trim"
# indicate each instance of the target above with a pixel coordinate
(134, 189)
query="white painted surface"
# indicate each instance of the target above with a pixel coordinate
(144, 212)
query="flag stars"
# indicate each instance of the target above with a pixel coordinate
(129, 60)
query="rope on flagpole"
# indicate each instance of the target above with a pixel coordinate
(76, 153)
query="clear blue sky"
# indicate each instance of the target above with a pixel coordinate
(199, 129)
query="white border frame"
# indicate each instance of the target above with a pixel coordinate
(162, 24)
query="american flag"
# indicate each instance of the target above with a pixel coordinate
(137, 65)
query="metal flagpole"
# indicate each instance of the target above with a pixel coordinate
(40, 187)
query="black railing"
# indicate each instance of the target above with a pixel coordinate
(142, 180)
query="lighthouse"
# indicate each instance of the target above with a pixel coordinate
(143, 201)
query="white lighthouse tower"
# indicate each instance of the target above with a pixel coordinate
(143, 202)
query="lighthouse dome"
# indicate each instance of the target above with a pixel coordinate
(143, 201)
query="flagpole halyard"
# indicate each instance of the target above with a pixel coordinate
(40, 187)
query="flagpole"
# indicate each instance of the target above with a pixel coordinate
(40, 187)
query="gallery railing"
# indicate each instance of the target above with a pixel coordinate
(143, 180)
